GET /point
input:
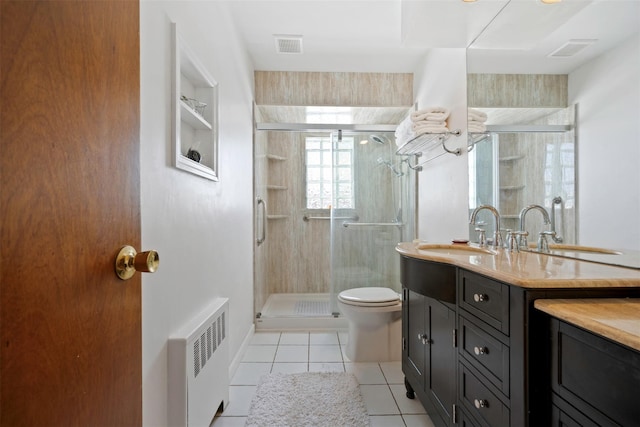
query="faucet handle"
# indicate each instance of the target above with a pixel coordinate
(543, 244)
(512, 239)
(482, 237)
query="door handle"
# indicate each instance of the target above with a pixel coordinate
(129, 261)
(262, 238)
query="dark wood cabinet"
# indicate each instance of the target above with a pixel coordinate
(477, 353)
(429, 361)
(596, 376)
(428, 340)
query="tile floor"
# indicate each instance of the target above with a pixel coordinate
(381, 384)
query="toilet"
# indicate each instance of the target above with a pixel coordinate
(374, 316)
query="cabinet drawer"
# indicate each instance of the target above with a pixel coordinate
(487, 353)
(480, 401)
(486, 299)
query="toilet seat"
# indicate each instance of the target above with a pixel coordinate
(369, 297)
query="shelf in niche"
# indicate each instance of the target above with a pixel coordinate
(511, 158)
(193, 119)
(277, 216)
(277, 187)
(275, 157)
(512, 188)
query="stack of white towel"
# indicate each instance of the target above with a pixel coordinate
(476, 120)
(428, 120)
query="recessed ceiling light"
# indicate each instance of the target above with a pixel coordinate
(550, 1)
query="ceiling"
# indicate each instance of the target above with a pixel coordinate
(394, 36)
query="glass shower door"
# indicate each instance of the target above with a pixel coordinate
(367, 215)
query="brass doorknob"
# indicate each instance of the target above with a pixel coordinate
(129, 261)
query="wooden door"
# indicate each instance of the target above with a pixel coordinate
(71, 330)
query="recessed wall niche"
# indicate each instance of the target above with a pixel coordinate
(194, 112)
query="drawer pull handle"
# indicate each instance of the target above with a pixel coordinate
(480, 403)
(480, 350)
(423, 338)
(480, 297)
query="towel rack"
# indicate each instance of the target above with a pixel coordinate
(476, 138)
(372, 224)
(427, 141)
(308, 218)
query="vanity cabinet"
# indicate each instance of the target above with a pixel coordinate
(428, 337)
(477, 353)
(595, 381)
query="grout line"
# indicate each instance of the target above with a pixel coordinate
(394, 400)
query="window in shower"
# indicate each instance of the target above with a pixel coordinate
(329, 169)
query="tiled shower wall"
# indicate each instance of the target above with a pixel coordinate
(523, 157)
(295, 258)
(342, 89)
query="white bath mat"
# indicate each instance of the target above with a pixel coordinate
(309, 399)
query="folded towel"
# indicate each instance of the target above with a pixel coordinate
(477, 115)
(432, 113)
(473, 126)
(430, 129)
(403, 132)
(422, 123)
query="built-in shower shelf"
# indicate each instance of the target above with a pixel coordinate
(277, 187)
(276, 158)
(277, 216)
(511, 158)
(512, 188)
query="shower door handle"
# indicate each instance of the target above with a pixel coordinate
(263, 235)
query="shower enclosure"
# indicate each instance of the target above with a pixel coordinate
(331, 205)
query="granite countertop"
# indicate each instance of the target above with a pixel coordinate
(531, 270)
(617, 319)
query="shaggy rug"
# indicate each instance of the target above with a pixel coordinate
(318, 399)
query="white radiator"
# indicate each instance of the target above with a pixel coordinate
(198, 363)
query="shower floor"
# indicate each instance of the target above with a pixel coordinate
(298, 311)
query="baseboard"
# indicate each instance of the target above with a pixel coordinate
(237, 358)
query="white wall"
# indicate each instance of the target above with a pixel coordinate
(443, 201)
(201, 229)
(607, 91)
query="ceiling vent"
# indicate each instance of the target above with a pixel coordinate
(571, 48)
(288, 43)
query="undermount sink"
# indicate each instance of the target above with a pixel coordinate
(454, 249)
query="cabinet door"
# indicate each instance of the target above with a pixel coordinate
(413, 331)
(441, 360)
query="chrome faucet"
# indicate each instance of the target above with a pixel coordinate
(497, 237)
(523, 214)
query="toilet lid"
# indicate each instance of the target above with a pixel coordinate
(372, 296)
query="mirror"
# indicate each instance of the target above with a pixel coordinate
(541, 81)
